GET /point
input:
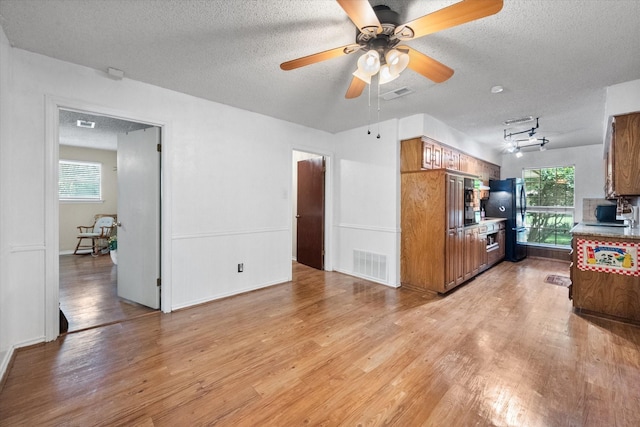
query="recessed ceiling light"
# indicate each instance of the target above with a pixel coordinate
(85, 124)
(497, 89)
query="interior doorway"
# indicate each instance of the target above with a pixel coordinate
(91, 286)
(309, 209)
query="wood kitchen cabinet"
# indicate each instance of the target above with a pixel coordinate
(623, 157)
(431, 154)
(411, 155)
(424, 153)
(432, 242)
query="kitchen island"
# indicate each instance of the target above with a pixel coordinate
(605, 274)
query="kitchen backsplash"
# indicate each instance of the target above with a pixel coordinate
(589, 208)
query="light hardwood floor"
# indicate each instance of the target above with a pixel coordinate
(89, 294)
(330, 349)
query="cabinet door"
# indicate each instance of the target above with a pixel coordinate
(470, 268)
(501, 243)
(427, 155)
(455, 160)
(451, 273)
(626, 155)
(437, 156)
(482, 251)
(411, 155)
(455, 201)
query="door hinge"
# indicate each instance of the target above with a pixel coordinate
(158, 282)
(159, 148)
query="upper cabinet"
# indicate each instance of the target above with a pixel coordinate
(622, 164)
(425, 153)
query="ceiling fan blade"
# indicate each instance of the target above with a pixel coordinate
(355, 88)
(362, 15)
(428, 67)
(318, 57)
(451, 16)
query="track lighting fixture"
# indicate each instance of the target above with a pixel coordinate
(514, 145)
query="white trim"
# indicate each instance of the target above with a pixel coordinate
(27, 248)
(6, 359)
(370, 279)
(52, 203)
(230, 233)
(369, 228)
(232, 293)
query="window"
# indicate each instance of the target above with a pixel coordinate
(79, 181)
(550, 205)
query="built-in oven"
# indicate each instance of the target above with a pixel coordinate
(471, 201)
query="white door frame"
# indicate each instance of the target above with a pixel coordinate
(52, 208)
(328, 202)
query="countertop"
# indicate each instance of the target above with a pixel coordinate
(606, 231)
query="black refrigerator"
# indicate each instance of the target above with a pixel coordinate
(508, 199)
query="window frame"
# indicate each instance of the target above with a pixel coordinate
(78, 198)
(551, 209)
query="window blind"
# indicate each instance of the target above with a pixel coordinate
(79, 180)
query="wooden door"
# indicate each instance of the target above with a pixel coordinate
(139, 217)
(310, 215)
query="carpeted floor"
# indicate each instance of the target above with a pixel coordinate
(555, 279)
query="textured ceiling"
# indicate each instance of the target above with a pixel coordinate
(554, 58)
(103, 136)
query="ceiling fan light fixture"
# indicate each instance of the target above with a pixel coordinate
(369, 63)
(397, 60)
(386, 74)
(518, 153)
(362, 76)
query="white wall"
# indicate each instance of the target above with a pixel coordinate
(229, 172)
(588, 162)
(73, 214)
(423, 124)
(367, 197)
(6, 344)
(622, 98)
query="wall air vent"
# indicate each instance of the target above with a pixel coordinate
(85, 124)
(370, 265)
(518, 121)
(396, 93)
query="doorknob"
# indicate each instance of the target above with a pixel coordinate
(119, 224)
(297, 216)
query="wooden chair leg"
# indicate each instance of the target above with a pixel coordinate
(77, 246)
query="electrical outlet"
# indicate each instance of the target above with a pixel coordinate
(240, 268)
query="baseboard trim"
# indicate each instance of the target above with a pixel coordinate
(6, 363)
(370, 279)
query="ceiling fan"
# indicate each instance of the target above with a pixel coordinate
(379, 34)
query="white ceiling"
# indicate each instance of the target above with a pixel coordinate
(103, 136)
(553, 57)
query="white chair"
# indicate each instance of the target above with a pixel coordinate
(98, 233)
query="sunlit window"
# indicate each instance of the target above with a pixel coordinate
(550, 205)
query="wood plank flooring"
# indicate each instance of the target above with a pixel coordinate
(328, 349)
(89, 294)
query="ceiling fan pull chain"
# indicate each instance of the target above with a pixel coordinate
(369, 113)
(378, 108)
